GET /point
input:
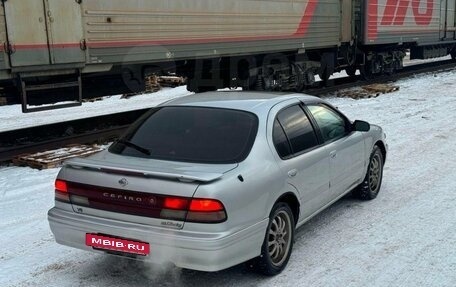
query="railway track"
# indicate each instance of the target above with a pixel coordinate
(90, 130)
(335, 85)
(106, 128)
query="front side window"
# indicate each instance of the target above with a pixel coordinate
(331, 124)
(296, 128)
(191, 134)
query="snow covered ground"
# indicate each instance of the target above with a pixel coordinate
(406, 237)
(12, 118)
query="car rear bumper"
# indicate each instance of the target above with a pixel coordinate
(197, 251)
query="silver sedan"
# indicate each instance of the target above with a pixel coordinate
(213, 180)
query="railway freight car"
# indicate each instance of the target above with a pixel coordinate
(387, 28)
(255, 44)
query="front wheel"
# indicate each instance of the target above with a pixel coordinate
(278, 241)
(372, 182)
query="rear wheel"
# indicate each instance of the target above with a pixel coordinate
(278, 241)
(372, 182)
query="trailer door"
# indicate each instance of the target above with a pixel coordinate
(450, 19)
(27, 35)
(346, 20)
(65, 31)
(447, 16)
(43, 32)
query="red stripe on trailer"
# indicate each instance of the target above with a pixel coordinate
(184, 41)
(372, 20)
(306, 18)
(401, 12)
(390, 12)
(46, 46)
(396, 12)
(423, 19)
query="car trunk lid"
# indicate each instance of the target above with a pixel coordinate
(135, 189)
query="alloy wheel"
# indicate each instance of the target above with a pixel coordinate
(279, 238)
(375, 172)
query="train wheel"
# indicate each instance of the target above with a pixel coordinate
(324, 75)
(351, 71)
(366, 71)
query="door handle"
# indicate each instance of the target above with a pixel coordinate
(293, 173)
(333, 154)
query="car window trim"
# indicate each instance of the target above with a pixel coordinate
(286, 136)
(314, 123)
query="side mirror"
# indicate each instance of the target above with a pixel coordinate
(361, 126)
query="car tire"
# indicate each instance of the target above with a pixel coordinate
(278, 242)
(372, 182)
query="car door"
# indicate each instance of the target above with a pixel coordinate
(305, 164)
(345, 148)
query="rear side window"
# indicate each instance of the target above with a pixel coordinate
(281, 141)
(191, 134)
(297, 129)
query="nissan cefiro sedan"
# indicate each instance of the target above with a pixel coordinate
(213, 180)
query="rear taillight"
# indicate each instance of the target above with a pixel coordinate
(205, 205)
(193, 210)
(176, 203)
(61, 191)
(206, 211)
(174, 208)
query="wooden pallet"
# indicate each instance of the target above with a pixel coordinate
(91, 100)
(152, 84)
(357, 94)
(55, 158)
(369, 91)
(171, 81)
(381, 88)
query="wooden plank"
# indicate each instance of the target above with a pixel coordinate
(368, 91)
(381, 88)
(171, 81)
(55, 158)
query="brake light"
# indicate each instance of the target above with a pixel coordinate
(205, 205)
(194, 210)
(175, 203)
(61, 191)
(206, 211)
(61, 186)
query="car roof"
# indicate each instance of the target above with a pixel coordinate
(241, 100)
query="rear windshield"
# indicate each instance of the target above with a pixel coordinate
(190, 134)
